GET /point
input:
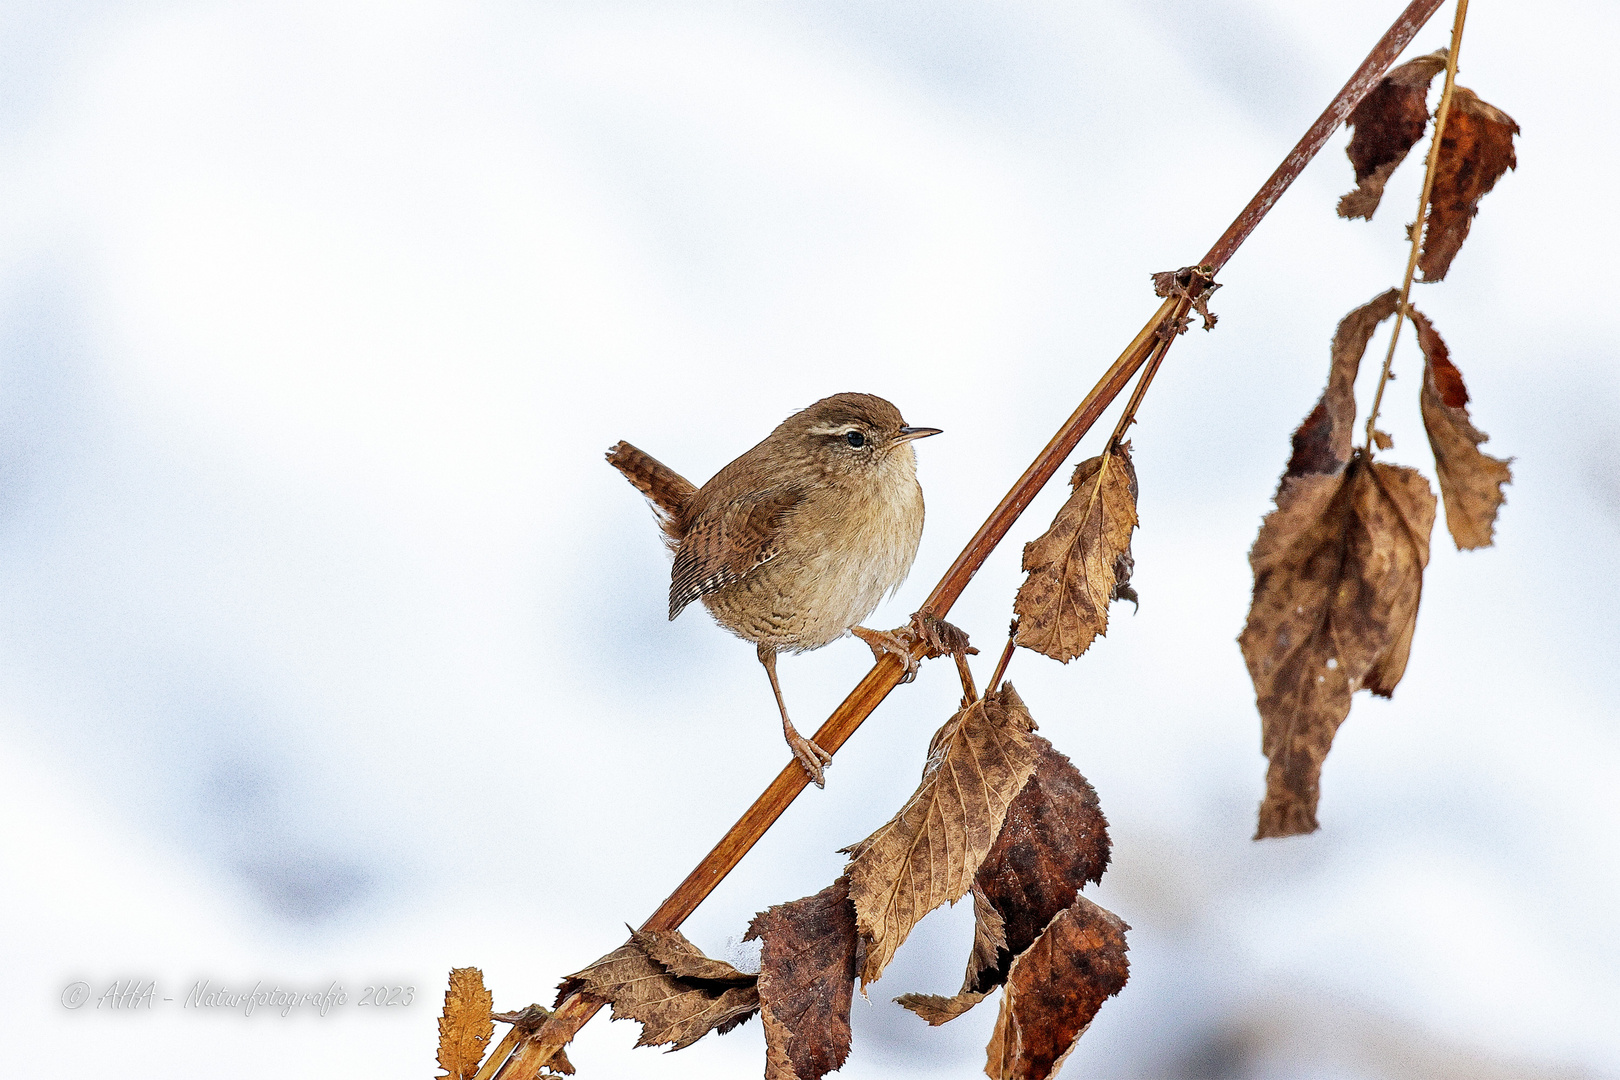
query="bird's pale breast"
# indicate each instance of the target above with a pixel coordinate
(849, 547)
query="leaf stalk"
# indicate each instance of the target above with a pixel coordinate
(1422, 216)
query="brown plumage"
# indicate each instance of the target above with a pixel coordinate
(795, 542)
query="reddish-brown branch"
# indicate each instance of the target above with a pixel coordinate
(1394, 41)
(575, 1010)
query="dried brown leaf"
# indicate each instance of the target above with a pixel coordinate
(1387, 124)
(671, 1009)
(1075, 567)
(675, 954)
(1475, 151)
(989, 947)
(1321, 444)
(1054, 990)
(1338, 573)
(527, 1021)
(928, 853)
(938, 1009)
(1053, 842)
(1470, 479)
(465, 1026)
(806, 981)
(1195, 283)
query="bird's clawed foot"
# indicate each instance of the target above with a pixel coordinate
(896, 643)
(814, 759)
(938, 637)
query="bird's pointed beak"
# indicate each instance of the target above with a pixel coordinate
(909, 433)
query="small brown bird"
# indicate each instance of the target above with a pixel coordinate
(794, 543)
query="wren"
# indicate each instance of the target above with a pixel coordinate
(793, 544)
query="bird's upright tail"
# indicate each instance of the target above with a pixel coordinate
(666, 489)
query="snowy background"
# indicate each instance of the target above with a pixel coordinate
(331, 651)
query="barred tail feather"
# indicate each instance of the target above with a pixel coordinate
(668, 491)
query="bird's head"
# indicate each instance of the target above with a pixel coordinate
(853, 433)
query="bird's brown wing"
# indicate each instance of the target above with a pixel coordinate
(723, 543)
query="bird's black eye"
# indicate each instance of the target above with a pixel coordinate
(855, 439)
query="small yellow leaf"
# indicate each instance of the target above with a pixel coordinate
(465, 1026)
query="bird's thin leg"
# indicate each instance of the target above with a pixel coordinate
(812, 757)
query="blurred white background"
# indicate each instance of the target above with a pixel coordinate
(330, 649)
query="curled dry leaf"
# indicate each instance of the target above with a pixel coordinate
(675, 954)
(1083, 562)
(1053, 842)
(1387, 124)
(806, 981)
(928, 853)
(1197, 284)
(1338, 576)
(1321, 444)
(1470, 479)
(1054, 990)
(940, 637)
(525, 1022)
(1338, 573)
(672, 1008)
(938, 1009)
(1475, 150)
(466, 1025)
(991, 952)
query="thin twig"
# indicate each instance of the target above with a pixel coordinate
(498, 1055)
(1006, 658)
(1422, 214)
(970, 693)
(1128, 416)
(575, 1010)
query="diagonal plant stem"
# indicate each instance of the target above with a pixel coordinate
(536, 1050)
(970, 693)
(1127, 416)
(1006, 658)
(1440, 116)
